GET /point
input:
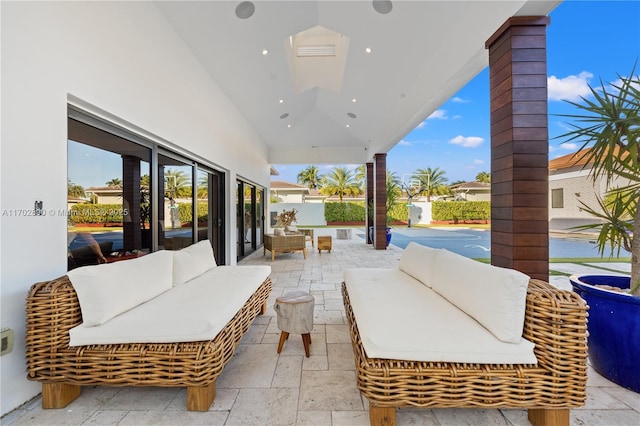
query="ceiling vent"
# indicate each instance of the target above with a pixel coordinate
(316, 50)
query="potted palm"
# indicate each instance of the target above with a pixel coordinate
(609, 128)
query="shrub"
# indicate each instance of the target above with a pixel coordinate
(353, 211)
(398, 213)
(460, 210)
(95, 213)
(185, 214)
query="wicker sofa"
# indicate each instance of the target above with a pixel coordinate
(444, 331)
(114, 325)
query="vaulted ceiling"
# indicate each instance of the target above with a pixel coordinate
(338, 81)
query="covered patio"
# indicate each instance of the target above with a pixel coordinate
(201, 79)
(260, 387)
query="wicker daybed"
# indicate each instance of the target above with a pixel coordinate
(53, 309)
(554, 321)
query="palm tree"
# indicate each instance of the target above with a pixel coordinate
(114, 183)
(432, 181)
(611, 145)
(176, 184)
(393, 191)
(341, 181)
(74, 190)
(484, 177)
(310, 177)
(203, 187)
(361, 175)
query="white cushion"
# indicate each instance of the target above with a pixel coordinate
(291, 228)
(399, 318)
(197, 310)
(192, 261)
(105, 291)
(279, 232)
(418, 261)
(494, 296)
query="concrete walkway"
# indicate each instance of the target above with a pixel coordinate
(260, 387)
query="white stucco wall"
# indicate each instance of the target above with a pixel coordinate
(309, 214)
(121, 60)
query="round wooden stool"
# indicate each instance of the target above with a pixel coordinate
(295, 315)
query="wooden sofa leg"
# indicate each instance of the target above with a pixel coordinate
(58, 395)
(549, 417)
(200, 398)
(382, 416)
(263, 308)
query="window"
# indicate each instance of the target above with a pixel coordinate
(107, 195)
(127, 196)
(557, 198)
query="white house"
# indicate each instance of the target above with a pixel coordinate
(569, 187)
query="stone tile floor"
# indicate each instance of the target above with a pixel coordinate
(260, 387)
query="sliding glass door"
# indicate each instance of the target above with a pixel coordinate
(127, 196)
(250, 217)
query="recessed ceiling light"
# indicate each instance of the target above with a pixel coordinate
(289, 125)
(265, 52)
(351, 115)
(347, 125)
(283, 116)
(281, 101)
(382, 6)
(354, 100)
(245, 9)
(368, 50)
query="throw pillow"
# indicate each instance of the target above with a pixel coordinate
(192, 261)
(105, 291)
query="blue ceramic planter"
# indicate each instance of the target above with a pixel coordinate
(614, 328)
(388, 234)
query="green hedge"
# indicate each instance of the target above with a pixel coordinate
(185, 212)
(398, 213)
(460, 210)
(95, 213)
(352, 211)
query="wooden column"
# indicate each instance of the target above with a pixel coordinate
(369, 206)
(131, 219)
(519, 146)
(380, 201)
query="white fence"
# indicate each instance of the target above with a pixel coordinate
(312, 214)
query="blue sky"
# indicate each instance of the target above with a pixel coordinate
(586, 41)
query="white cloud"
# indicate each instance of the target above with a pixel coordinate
(467, 141)
(404, 143)
(569, 146)
(439, 114)
(478, 161)
(552, 148)
(569, 88)
(421, 125)
(455, 117)
(459, 100)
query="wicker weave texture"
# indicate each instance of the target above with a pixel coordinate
(53, 309)
(555, 321)
(284, 242)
